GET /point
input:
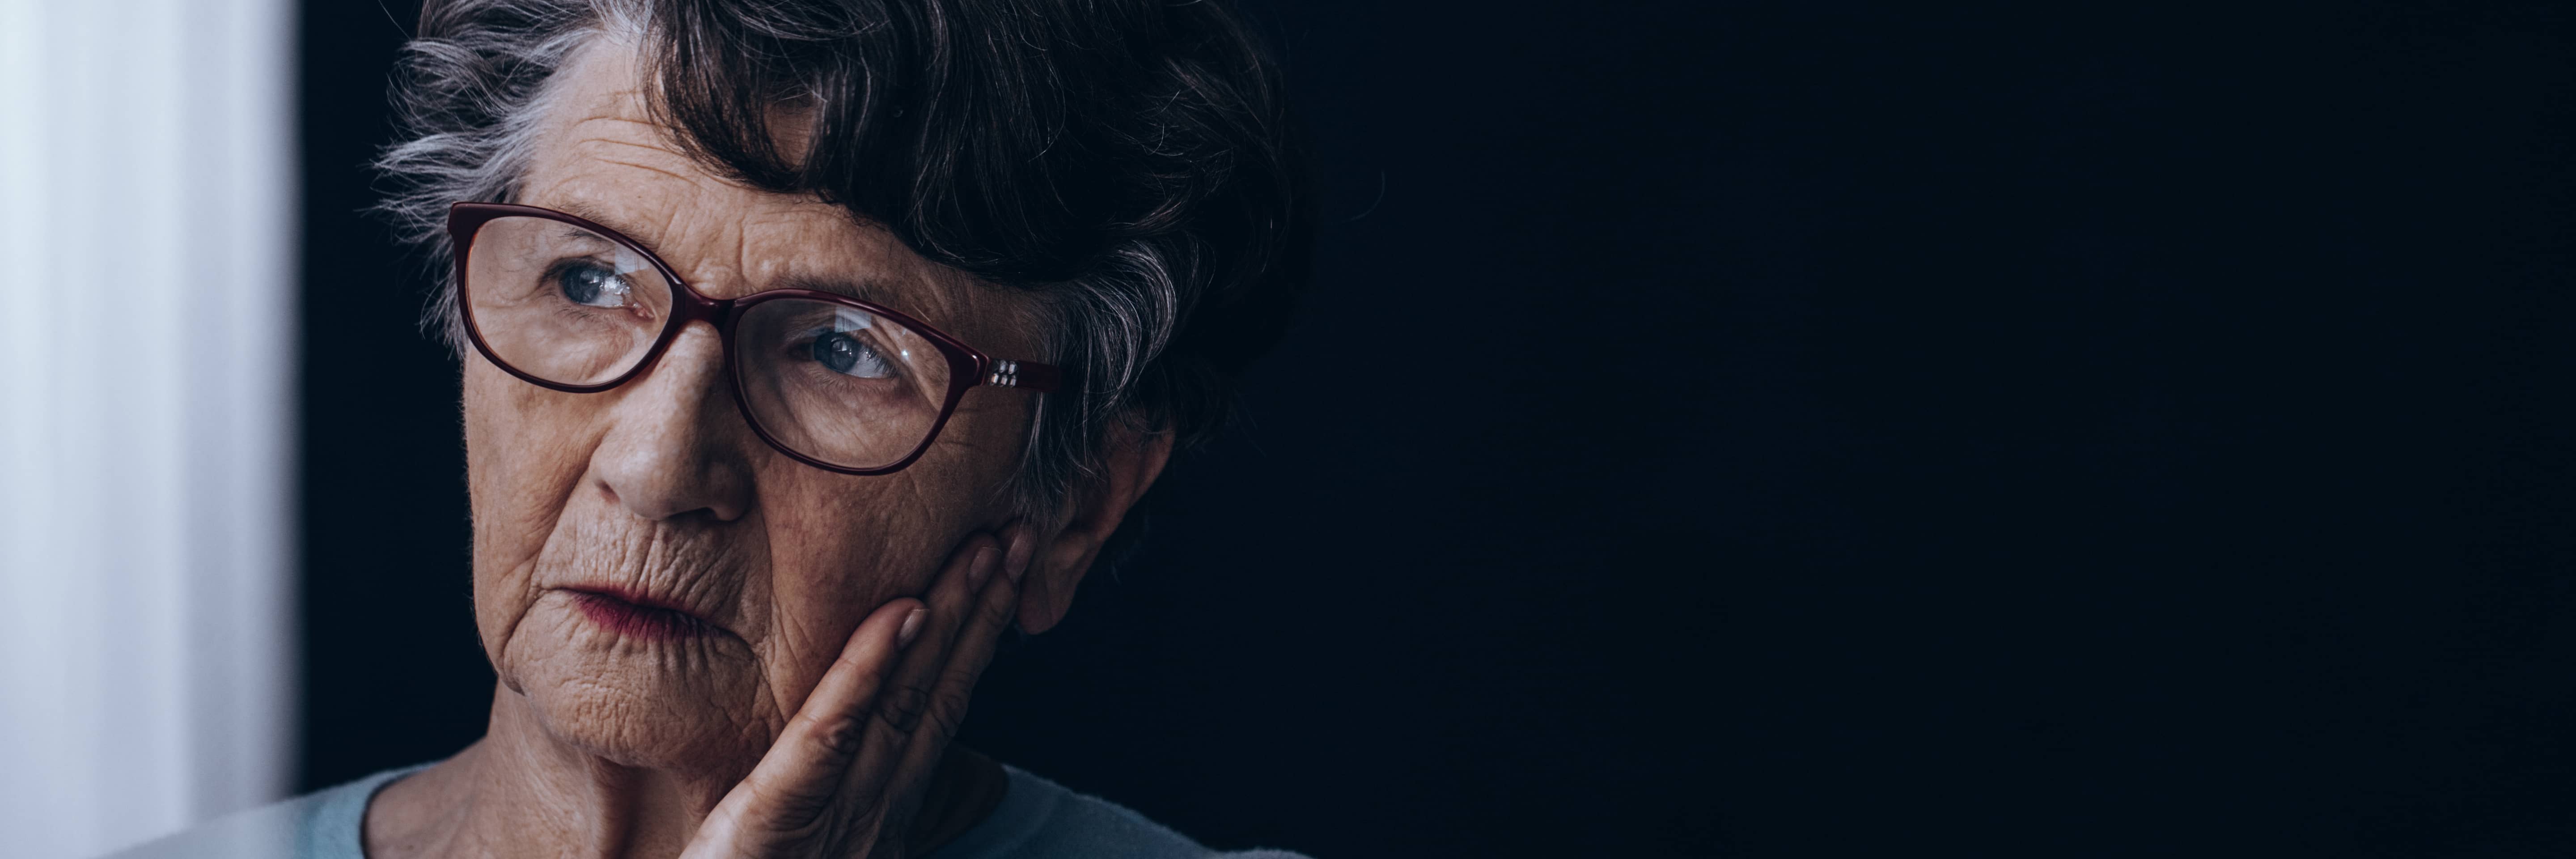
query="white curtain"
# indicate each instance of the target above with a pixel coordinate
(146, 341)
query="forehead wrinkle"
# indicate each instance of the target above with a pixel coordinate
(778, 240)
(706, 234)
(594, 111)
(593, 213)
(755, 273)
(852, 259)
(623, 112)
(598, 188)
(642, 166)
(617, 96)
(777, 244)
(617, 132)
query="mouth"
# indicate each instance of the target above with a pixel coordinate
(639, 616)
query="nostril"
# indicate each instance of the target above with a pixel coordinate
(607, 492)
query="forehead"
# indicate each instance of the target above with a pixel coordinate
(598, 153)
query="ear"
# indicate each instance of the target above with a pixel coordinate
(1135, 458)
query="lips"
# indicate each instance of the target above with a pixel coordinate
(639, 616)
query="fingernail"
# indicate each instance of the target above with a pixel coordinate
(911, 627)
(981, 568)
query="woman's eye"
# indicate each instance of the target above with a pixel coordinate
(592, 285)
(847, 356)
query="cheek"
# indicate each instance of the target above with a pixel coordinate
(839, 548)
(854, 542)
(524, 455)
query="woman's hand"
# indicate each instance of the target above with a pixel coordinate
(844, 778)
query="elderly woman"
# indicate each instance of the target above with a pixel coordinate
(809, 346)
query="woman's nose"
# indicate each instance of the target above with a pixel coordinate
(676, 444)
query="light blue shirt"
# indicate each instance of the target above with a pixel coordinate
(1038, 819)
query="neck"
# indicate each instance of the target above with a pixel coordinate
(519, 791)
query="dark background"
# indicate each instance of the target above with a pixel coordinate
(1777, 429)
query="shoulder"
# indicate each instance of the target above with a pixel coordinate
(1039, 818)
(319, 825)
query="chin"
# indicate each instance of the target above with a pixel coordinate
(620, 692)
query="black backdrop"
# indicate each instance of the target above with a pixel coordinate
(1803, 428)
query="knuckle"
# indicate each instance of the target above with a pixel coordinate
(996, 613)
(948, 713)
(902, 705)
(840, 735)
(793, 811)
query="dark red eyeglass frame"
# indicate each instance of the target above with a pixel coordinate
(967, 366)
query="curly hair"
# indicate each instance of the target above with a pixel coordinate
(1130, 162)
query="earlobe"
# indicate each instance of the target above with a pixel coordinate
(1135, 458)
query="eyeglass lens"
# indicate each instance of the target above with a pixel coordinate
(831, 382)
(563, 303)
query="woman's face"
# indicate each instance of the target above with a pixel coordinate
(658, 490)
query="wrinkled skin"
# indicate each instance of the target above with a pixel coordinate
(604, 744)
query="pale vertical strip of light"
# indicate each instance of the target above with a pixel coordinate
(145, 569)
(242, 462)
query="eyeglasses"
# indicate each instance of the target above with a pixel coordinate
(838, 383)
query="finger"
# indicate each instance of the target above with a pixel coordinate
(899, 706)
(973, 651)
(795, 781)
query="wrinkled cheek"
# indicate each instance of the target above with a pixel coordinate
(840, 547)
(524, 458)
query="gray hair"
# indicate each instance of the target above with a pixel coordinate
(1157, 289)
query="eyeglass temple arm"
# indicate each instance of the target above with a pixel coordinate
(1025, 375)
